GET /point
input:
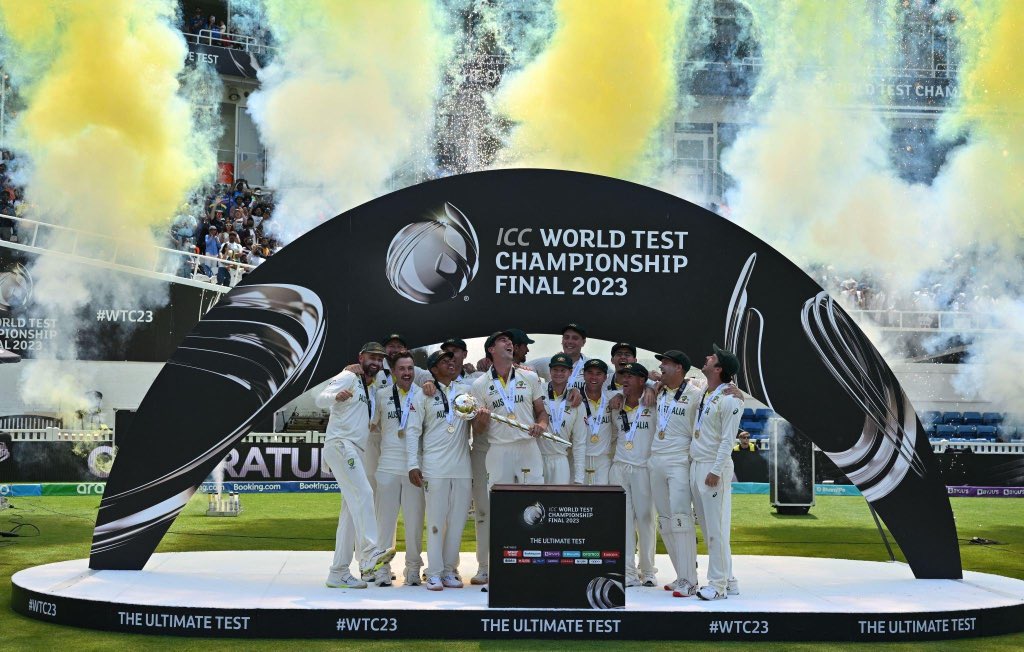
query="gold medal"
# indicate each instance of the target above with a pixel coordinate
(511, 417)
(629, 446)
(594, 439)
(401, 434)
(696, 434)
(661, 434)
(451, 428)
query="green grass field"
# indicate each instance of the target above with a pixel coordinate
(836, 527)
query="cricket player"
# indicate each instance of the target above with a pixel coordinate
(718, 419)
(437, 454)
(574, 338)
(517, 394)
(634, 424)
(567, 422)
(395, 405)
(351, 402)
(600, 431)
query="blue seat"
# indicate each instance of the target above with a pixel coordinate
(964, 430)
(747, 413)
(987, 432)
(753, 427)
(762, 414)
(992, 418)
(930, 417)
(944, 431)
(952, 418)
(972, 418)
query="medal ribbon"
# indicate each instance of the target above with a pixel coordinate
(700, 413)
(556, 408)
(594, 421)
(446, 398)
(665, 406)
(576, 371)
(631, 433)
(510, 396)
(403, 414)
(371, 400)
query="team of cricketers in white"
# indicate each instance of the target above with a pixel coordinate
(398, 444)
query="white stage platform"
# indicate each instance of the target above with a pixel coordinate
(282, 594)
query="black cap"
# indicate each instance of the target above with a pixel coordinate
(373, 347)
(490, 340)
(676, 356)
(623, 345)
(436, 357)
(729, 363)
(573, 326)
(454, 341)
(561, 360)
(634, 369)
(394, 336)
(594, 363)
(519, 336)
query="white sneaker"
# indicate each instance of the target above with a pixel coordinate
(684, 589)
(368, 576)
(451, 581)
(377, 560)
(710, 593)
(412, 577)
(382, 577)
(632, 580)
(732, 587)
(434, 583)
(648, 579)
(671, 586)
(480, 578)
(344, 580)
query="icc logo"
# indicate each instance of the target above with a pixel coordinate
(534, 514)
(435, 260)
(15, 288)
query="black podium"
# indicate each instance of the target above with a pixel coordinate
(557, 546)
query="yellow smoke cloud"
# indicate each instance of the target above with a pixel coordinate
(983, 184)
(105, 131)
(594, 99)
(347, 101)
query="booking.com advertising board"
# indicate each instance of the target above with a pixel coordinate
(468, 255)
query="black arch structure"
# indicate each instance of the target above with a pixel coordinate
(300, 317)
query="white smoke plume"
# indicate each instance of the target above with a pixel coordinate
(346, 106)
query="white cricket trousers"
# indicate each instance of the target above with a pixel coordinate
(670, 490)
(714, 513)
(357, 527)
(505, 463)
(394, 491)
(556, 469)
(481, 506)
(371, 457)
(447, 508)
(636, 480)
(602, 465)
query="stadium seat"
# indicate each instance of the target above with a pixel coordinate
(964, 430)
(753, 427)
(972, 418)
(748, 414)
(992, 418)
(762, 414)
(952, 418)
(930, 418)
(987, 432)
(944, 431)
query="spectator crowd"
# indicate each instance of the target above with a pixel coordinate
(232, 223)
